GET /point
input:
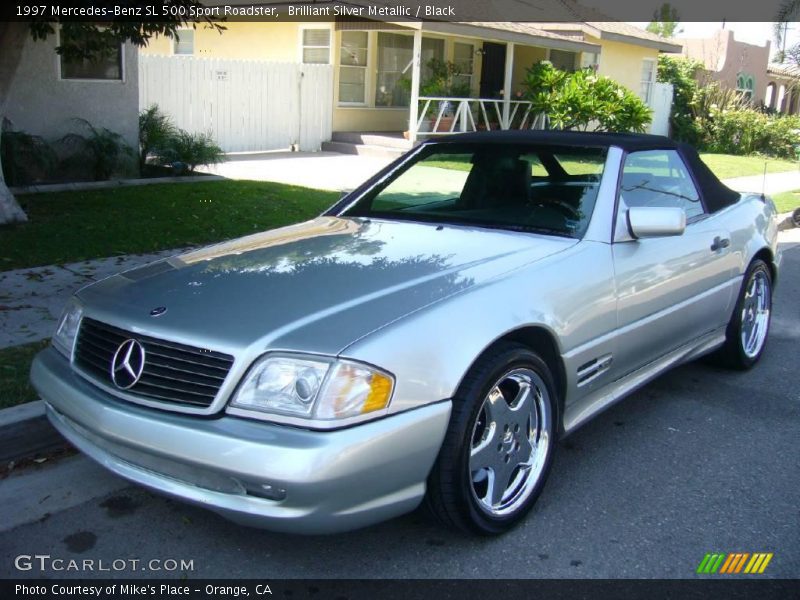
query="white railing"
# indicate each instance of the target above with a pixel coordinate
(443, 116)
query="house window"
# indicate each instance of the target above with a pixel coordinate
(745, 84)
(184, 42)
(106, 65)
(317, 46)
(589, 60)
(648, 79)
(659, 178)
(562, 60)
(432, 49)
(392, 82)
(353, 67)
(464, 59)
(395, 55)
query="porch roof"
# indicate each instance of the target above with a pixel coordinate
(779, 71)
(518, 33)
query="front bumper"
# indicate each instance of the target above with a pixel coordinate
(333, 481)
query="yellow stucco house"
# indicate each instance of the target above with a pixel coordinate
(379, 67)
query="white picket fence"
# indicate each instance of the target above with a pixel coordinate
(246, 105)
(661, 105)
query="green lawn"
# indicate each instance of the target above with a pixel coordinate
(726, 166)
(15, 364)
(73, 226)
(787, 201)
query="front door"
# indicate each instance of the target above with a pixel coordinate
(493, 69)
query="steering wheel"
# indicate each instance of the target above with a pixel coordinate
(562, 207)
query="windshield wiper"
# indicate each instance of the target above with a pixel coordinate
(533, 229)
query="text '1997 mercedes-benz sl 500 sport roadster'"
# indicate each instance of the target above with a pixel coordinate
(427, 339)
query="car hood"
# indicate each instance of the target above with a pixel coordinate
(316, 286)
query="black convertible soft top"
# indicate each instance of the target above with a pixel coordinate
(715, 194)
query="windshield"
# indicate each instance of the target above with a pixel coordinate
(542, 189)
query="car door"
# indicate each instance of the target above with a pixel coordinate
(670, 290)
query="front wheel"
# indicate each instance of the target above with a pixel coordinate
(499, 444)
(747, 330)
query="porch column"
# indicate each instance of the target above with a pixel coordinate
(413, 111)
(507, 93)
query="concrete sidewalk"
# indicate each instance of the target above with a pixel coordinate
(31, 300)
(775, 183)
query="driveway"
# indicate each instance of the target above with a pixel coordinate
(320, 170)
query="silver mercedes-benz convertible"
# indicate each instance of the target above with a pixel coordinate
(430, 337)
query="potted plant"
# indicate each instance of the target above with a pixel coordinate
(444, 81)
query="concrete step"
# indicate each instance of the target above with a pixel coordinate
(366, 138)
(362, 149)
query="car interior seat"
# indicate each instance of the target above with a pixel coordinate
(496, 181)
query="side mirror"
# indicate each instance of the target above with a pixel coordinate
(648, 221)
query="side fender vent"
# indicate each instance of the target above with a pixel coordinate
(593, 369)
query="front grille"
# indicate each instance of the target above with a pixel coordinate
(173, 373)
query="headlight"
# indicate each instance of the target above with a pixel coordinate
(67, 328)
(313, 388)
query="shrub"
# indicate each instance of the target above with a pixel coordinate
(101, 149)
(747, 131)
(26, 158)
(191, 150)
(155, 133)
(584, 100)
(720, 119)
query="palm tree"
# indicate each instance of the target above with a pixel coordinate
(789, 10)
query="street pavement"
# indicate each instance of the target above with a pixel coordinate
(700, 460)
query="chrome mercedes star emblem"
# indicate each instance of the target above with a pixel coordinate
(127, 364)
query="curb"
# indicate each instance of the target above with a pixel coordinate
(25, 431)
(102, 185)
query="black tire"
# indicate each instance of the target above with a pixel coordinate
(451, 495)
(733, 353)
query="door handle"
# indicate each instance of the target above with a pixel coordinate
(720, 243)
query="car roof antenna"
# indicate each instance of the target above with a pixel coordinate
(764, 184)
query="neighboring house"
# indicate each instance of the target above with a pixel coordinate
(375, 78)
(735, 65)
(48, 92)
(783, 89)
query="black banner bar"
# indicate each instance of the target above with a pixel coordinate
(462, 589)
(530, 11)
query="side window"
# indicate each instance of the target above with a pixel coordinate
(659, 178)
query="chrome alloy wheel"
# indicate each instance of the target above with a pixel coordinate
(755, 314)
(510, 442)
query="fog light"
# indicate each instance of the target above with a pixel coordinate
(265, 490)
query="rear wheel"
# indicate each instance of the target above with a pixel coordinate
(747, 330)
(499, 444)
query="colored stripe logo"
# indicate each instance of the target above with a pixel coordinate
(734, 563)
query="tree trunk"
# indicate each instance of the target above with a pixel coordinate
(10, 210)
(12, 39)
